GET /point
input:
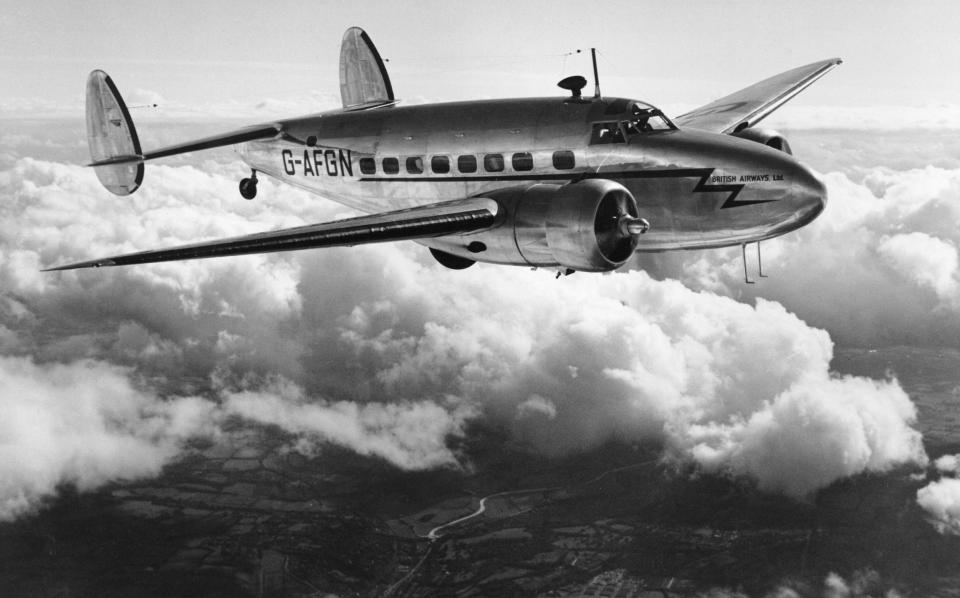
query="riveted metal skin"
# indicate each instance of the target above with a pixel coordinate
(696, 189)
(571, 182)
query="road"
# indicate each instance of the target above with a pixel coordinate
(435, 532)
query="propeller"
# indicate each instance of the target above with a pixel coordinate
(617, 226)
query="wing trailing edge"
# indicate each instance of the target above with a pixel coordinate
(434, 220)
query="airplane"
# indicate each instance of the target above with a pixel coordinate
(570, 182)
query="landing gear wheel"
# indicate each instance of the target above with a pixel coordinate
(248, 187)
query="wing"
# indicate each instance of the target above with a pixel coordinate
(434, 220)
(750, 105)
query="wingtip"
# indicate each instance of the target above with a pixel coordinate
(79, 265)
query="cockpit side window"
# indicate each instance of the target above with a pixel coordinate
(639, 119)
(608, 132)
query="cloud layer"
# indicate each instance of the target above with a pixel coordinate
(381, 350)
(411, 435)
(83, 423)
(879, 267)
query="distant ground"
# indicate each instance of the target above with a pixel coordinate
(249, 517)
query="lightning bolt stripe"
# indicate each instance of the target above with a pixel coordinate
(702, 186)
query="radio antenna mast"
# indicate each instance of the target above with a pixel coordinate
(596, 77)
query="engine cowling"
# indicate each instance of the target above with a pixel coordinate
(576, 225)
(767, 137)
(590, 226)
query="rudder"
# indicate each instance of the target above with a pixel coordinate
(112, 136)
(363, 76)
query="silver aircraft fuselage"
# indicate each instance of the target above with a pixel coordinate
(696, 189)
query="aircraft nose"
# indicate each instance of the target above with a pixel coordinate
(814, 190)
(811, 194)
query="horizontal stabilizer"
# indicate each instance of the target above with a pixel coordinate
(447, 218)
(750, 105)
(231, 138)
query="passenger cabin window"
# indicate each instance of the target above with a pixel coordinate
(563, 160)
(391, 166)
(493, 162)
(440, 164)
(522, 161)
(415, 165)
(368, 166)
(467, 164)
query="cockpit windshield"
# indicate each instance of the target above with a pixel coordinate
(641, 120)
(648, 120)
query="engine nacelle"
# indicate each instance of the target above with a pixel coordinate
(576, 225)
(580, 226)
(767, 137)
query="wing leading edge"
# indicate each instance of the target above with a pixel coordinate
(750, 105)
(434, 220)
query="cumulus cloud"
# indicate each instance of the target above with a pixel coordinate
(537, 405)
(878, 267)
(83, 423)
(941, 501)
(927, 261)
(862, 583)
(387, 353)
(858, 425)
(410, 435)
(735, 388)
(948, 464)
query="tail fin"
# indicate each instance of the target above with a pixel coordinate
(112, 137)
(364, 81)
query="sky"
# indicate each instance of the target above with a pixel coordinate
(205, 54)
(107, 374)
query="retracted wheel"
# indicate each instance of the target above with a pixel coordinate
(248, 188)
